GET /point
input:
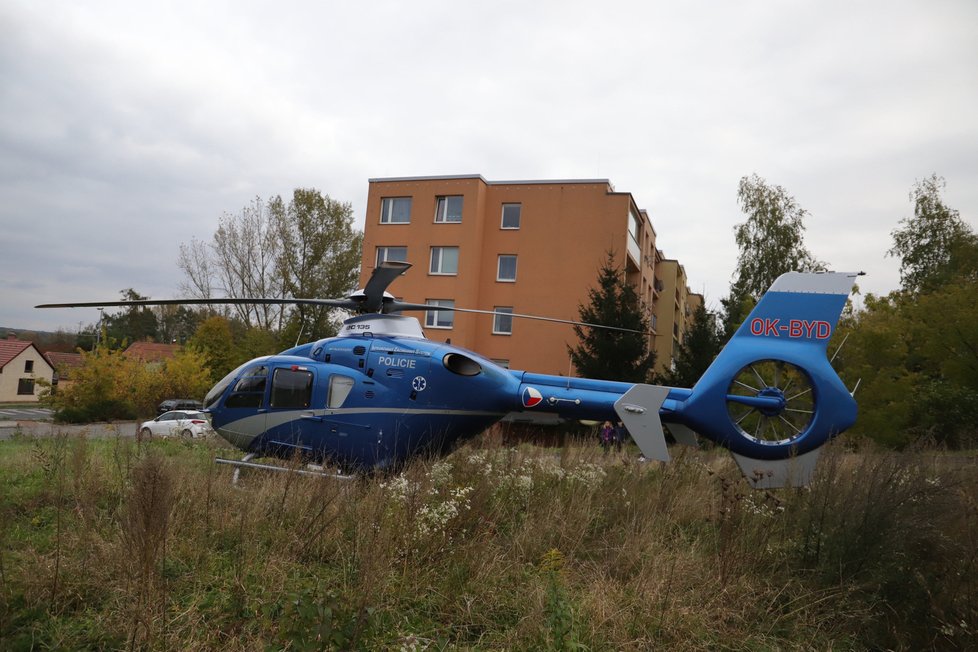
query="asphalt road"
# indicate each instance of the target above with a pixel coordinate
(31, 428)
(21, 413)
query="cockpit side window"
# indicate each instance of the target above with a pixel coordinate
(253, 380)
(217, 390)
(339, 388)
(291, 388)
(250, 389)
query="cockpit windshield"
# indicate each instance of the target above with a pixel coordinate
(217, 390)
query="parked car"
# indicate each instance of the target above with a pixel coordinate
(178, 404)
(177, 423)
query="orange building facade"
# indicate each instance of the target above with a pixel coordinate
(532, 247)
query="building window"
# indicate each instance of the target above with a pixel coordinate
(506, 268)
(25, 386)
(391, 253)
(502, 321)
(444, 260)
(449, 209)
(395, 210)
(28, 366)
(439, 318)
(511, 216)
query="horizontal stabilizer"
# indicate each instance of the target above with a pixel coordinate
(638, 409)
(794, 471)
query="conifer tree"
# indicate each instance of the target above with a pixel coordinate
(613, 354)
(700, 346)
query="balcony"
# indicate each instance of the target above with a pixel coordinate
(634, 250)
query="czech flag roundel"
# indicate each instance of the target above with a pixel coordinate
(531, 397)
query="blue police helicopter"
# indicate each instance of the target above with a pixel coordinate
(380, 393)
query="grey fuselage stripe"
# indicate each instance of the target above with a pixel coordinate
(241, 432)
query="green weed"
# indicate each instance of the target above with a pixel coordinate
(112, 544)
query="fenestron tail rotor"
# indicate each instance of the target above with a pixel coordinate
(771, 401)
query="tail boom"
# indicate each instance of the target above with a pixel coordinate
(770, 396)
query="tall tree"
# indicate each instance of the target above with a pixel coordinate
(214, 344)
(176, 324)
(699, 347)
(247, 249)
(916, 358)
(239, 262)
(611, 354)
(319, 257)
(771, 242)
(306, 248)
(133, 323)
(935, 245)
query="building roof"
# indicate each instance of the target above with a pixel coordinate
(453, 177)
(63, 362)
(10, 349)
(152, 351)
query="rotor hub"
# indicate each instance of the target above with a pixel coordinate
(769, 409)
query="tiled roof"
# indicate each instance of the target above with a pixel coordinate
(64, 362)
(10, 349)
(152, 351)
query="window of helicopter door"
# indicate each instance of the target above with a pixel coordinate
(291, 388)
(339, 388)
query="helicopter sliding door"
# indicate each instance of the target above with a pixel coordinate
(289, 399)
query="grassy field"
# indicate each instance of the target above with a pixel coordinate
(111, 544)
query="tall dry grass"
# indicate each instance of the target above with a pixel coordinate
(118, 545)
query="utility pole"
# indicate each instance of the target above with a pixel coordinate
(98, 331)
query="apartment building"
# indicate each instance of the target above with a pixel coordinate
(530, 247)
(674, 311)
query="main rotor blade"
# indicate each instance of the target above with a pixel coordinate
(398, 306)
(332, 303)
(384, 274)
(551, 319)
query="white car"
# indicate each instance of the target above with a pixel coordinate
(177, 423)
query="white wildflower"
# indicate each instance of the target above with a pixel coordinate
(441, 473)
(400, 488)
(587, 474)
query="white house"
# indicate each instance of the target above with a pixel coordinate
(21, 365)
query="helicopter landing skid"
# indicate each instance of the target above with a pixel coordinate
(246, 463)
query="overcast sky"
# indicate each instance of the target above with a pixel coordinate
(126, 130)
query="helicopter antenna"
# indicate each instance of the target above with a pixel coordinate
(844, 339)
(302, 327)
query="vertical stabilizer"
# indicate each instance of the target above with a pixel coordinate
(638, 409)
